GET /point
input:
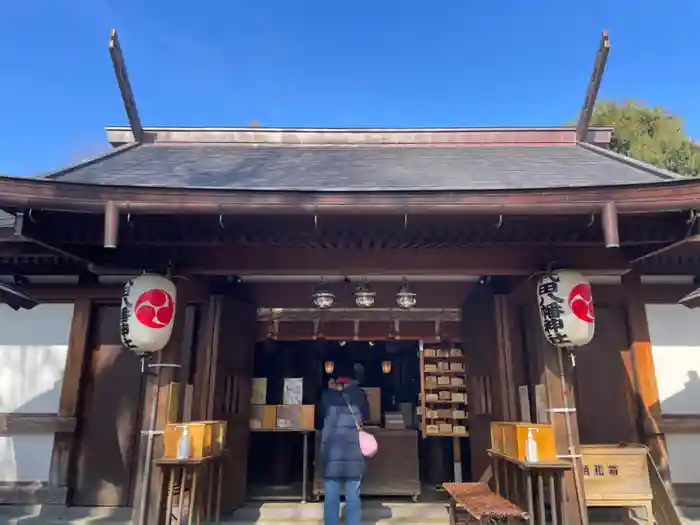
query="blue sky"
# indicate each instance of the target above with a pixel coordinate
(328, 63)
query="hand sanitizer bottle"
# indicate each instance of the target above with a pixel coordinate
(531, 454)
(184, 444)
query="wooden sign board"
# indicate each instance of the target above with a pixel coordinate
(615, 473)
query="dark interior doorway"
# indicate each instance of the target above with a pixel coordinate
(275, 459)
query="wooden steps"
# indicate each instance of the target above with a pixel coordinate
(373, 512)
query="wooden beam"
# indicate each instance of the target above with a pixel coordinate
(244, 261)
(356, 314)
(35, 424)
(115, 52)
(589, 100)
(670, 246)
(680, 424)
(77, 349)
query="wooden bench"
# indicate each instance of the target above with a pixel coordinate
(476, 503)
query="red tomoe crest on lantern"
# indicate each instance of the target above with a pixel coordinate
(581, 302)
(154, 308)
(147, 313)
(566, 308)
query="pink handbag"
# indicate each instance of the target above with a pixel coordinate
(368, 443)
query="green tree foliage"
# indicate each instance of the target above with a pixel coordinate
(649, 134)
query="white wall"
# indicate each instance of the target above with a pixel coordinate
(33, 350)
(675, 340)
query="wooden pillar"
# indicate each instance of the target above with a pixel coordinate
(206, 360)
(70, 392)
(491, 379)
(545, 362)
(507, 375)
(223, 380)
(642, 375)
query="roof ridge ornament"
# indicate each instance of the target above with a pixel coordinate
(115, 52)
(584, 120)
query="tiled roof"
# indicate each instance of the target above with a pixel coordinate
(363, 168)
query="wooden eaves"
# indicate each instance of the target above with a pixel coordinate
(22, 194)
(18, 195)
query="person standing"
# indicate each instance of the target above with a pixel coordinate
(344, 407)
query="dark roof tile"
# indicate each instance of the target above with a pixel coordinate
(362, 168)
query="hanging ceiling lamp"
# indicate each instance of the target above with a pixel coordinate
(329, 366)
(364, 295)
(322, 297)
(386, 367)
(405, 298)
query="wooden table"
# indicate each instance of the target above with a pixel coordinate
(211, 465)
(305, 455)
(513, 471)
(393, 471)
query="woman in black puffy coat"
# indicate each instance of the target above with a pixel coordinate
(344, 407)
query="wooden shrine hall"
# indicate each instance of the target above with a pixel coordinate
(404, 254)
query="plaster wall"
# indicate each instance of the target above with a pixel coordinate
(675, 339)
(33, 351)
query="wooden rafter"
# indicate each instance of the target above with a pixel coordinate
(368, 232)
(22, 231)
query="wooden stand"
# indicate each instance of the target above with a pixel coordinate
(515, 480)
(204, 477)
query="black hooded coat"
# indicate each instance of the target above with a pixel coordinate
(341, 457)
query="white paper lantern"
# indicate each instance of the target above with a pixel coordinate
(566, 308)
(147, 313)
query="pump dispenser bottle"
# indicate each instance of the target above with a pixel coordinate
(531, 453)
(184, 444)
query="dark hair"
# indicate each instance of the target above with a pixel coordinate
(344, 369)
